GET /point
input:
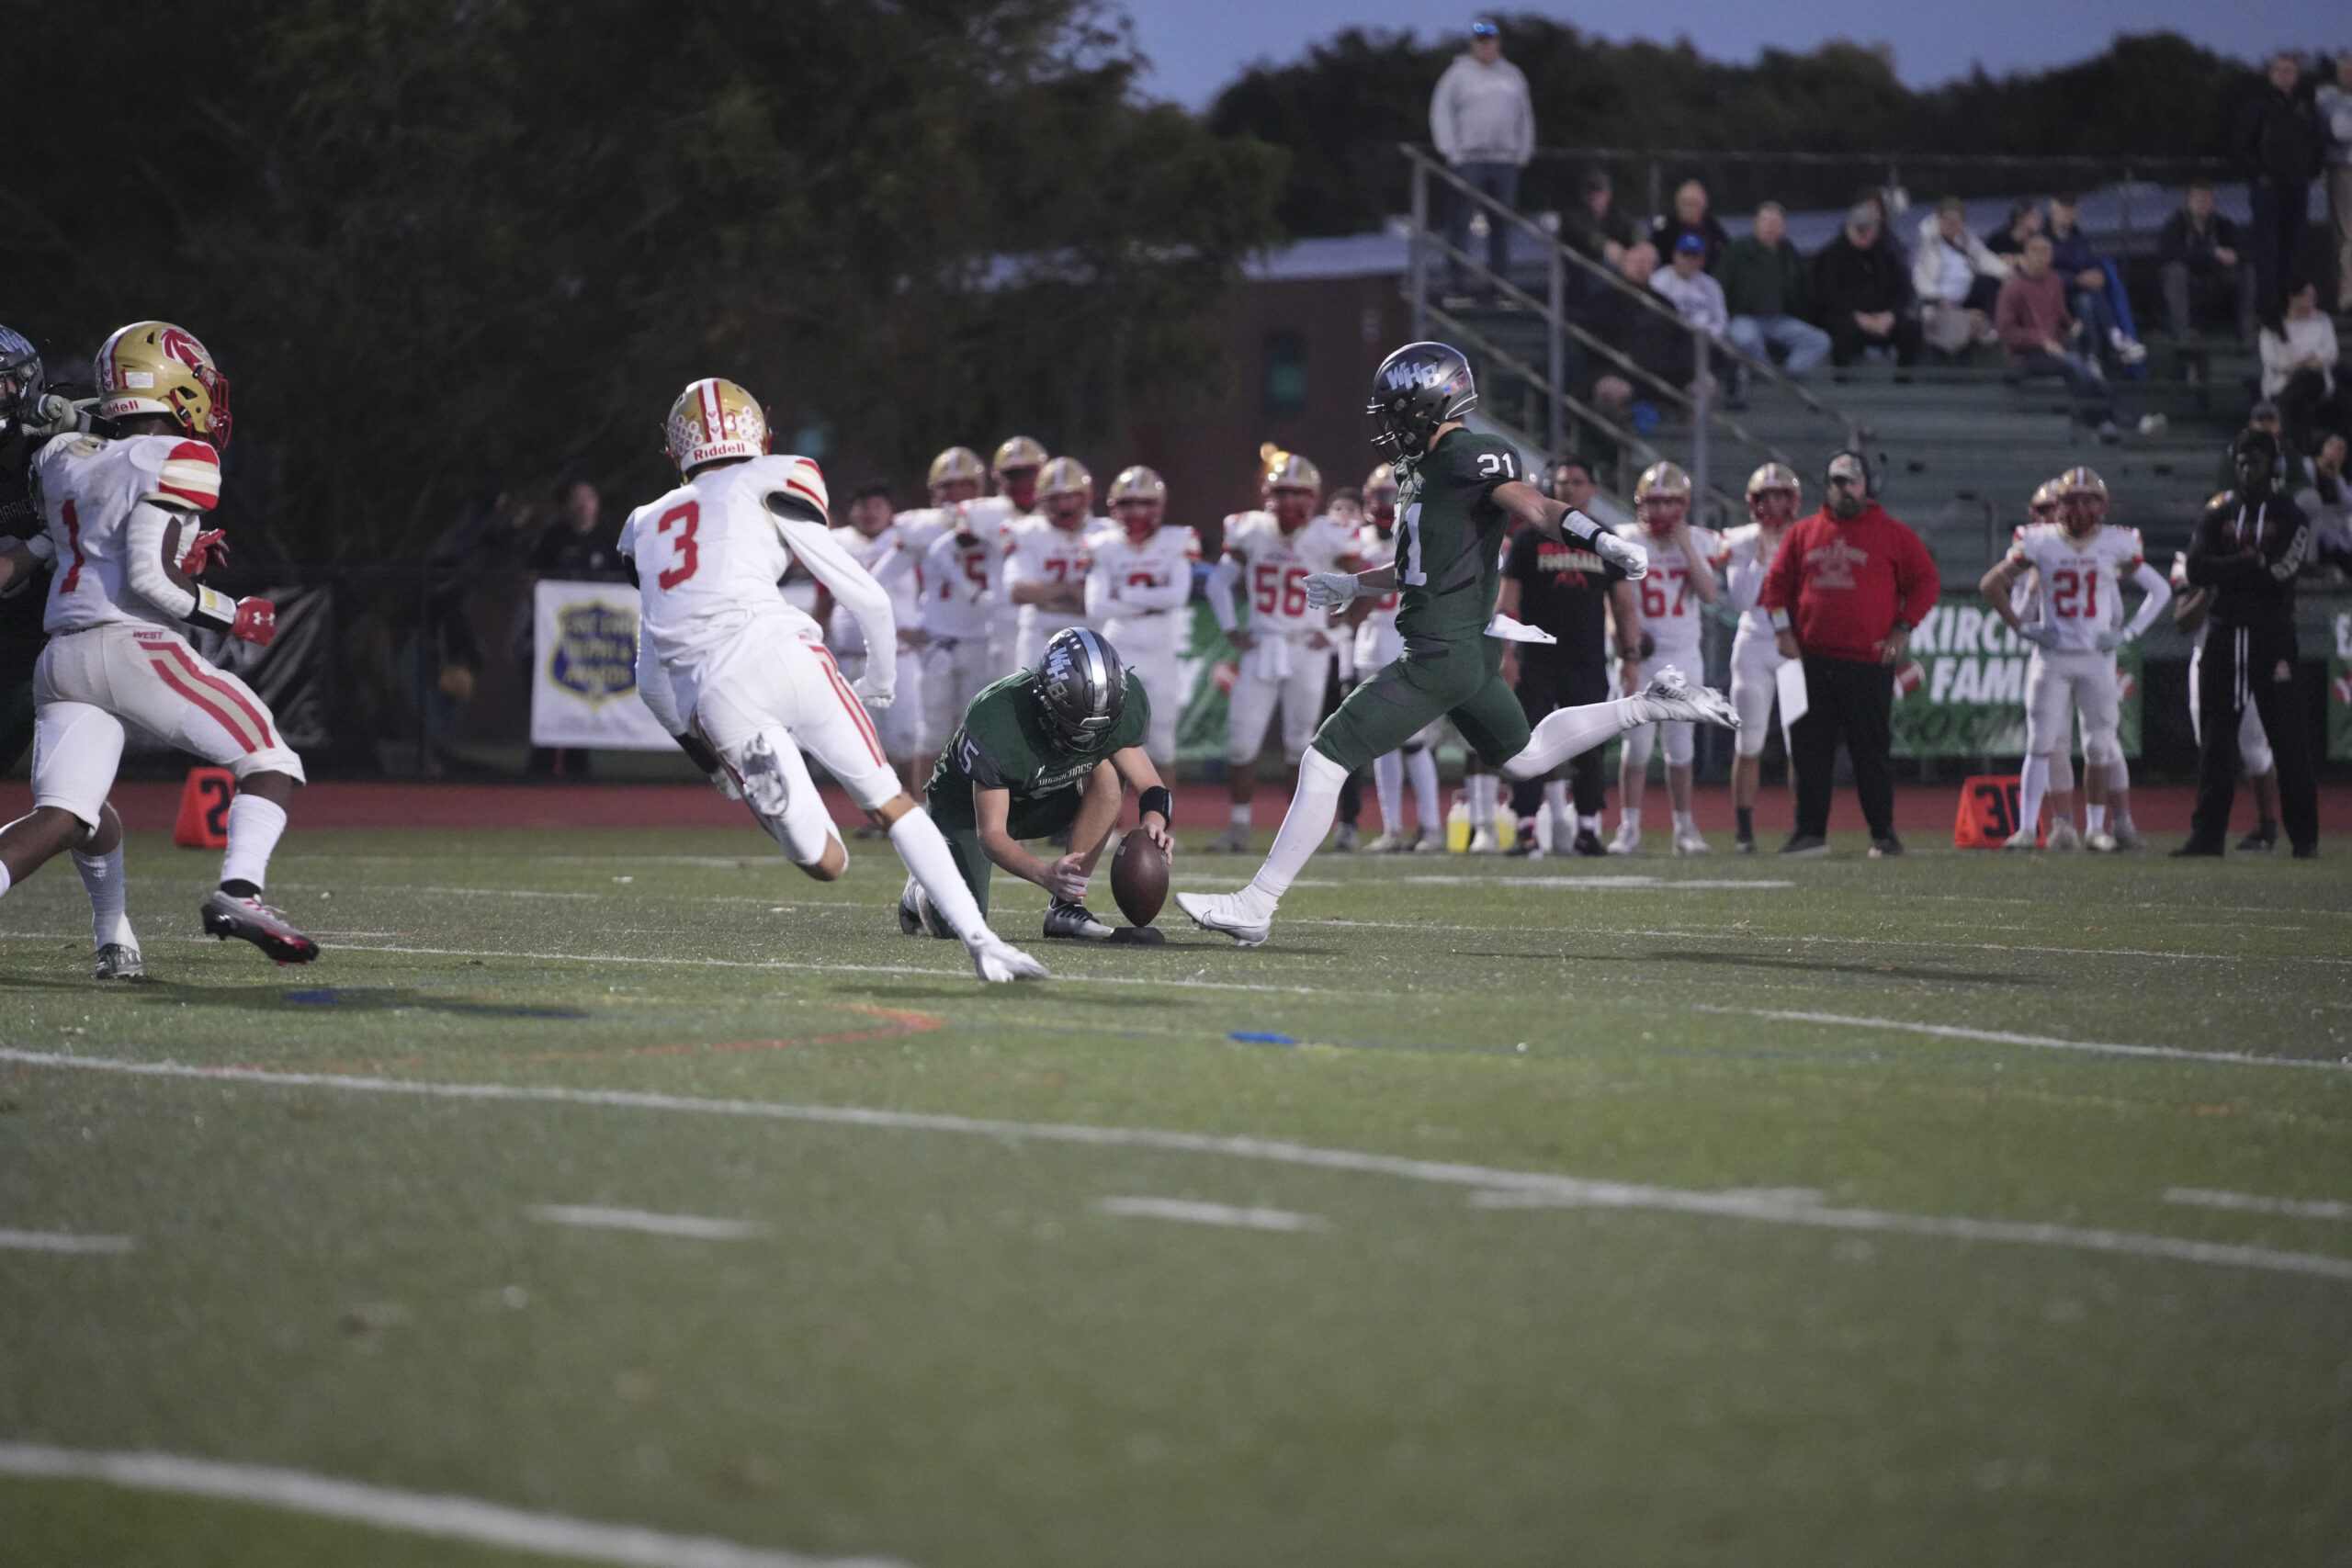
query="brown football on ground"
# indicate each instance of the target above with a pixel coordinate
(1139, 878)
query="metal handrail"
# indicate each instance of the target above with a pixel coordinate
(1849, 431)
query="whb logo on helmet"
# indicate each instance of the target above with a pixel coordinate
(1080, 685)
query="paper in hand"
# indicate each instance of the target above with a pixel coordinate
(1503, 627)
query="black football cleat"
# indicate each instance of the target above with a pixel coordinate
(1075, 922)
(1885, 848)
(1805, 845)
(250, 919)
(2194, 850)
(2264, 839)
(1588, 845)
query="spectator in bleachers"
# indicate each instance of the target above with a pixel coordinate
(1768, 292)
(1691, 216)
(575, 548)
(2262, 416)
(1602, 230)
(2042, 337)
(2333, 103)
(1863, 291)
(1484, 124)
(2201, 259)
(2009, 241)
(2299, 354)
(1698, 298)
(2277, 142)
(1958, 280)
(2326, 496)
(2088, 282)
(1652, 339)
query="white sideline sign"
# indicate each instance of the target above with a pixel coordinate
(583, 669)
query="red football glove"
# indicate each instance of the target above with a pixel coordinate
(210, 546)
(256, 621)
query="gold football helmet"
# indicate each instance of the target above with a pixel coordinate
(1018, 453)
(2045, 504)
(1065, 476)
(956, 463)
(156, 367)
(2082, 500)
(1381, 478)
(1662, 481)
(714, 419)
(1771, 475)
(1279, 469)
(1139, 483)
(2079, 481)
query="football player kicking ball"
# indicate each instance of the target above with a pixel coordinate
(1457, 492)
(751, 673)
(2081, 566)
(1043, 753)
(122, 513)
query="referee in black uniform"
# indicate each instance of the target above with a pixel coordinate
(2249, 544)
(1565, 589)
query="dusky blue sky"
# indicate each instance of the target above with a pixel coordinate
(1197, 46)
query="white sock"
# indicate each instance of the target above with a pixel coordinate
(1570, 733)
(1588, 824)
(1630, 821)
(1389, 783)
(1480, 788)
(918, 841)
(1556, 795)
(2031, 784)
(1312, 811)
(1429, 807)
(2095, 816)
(1682, 821)
(1240, 816)
(6, 882)
(102, 875)
(255, 824)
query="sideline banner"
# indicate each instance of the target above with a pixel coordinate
(583, 669)
(1962, 692)
(2339, 685)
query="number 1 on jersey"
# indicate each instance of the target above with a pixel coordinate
(690, 513)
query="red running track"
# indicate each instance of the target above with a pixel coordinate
(1925, 812)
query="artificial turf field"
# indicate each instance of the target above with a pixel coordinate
(1492, 1213)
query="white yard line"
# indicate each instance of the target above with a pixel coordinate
(1210, 1214)
(1996, 947)
(2037, 1041)
(1601, 883)
(62, 1241)
(2299, 1208)
(1769, 1208)
(416, 1512)
(693, 1226)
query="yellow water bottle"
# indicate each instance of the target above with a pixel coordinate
(1457, 824)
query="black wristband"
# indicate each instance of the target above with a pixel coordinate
(1158, 798)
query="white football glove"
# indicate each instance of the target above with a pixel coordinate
(2109, 641)
(874, 696)
(1628, 556)
(1331, 590)
(2039, 635)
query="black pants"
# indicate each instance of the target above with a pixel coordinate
(1853, 702)
(2242, 665)
(1545, 685)
(2278, 223)
(1846, 339)
(1335, 691)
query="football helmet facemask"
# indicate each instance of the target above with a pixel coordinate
(957, 465)
(21, 378)
(1774, 494)
(1662, 497)
(156, 367)
(1139, 496)
(2081, 495)
(1415, 389)
(714, 419)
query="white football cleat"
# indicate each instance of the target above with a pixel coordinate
(1628, 840)
(2101, 842)
(1687, 841)
(1345, 839)
(1669, 695)
(999, 961)
(1389, 843)
(1431, 842)
(2127, 837)
(2062, 838)
(1483, 843)
(2023, 839)
(1234, 840)
(1235, 914)
(916, 915)
(119, 960)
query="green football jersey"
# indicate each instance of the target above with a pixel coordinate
(1002, 744)
(1449, 534)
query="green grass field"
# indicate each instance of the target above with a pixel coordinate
(1674, 1212)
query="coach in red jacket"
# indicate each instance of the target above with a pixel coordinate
(1845, 590)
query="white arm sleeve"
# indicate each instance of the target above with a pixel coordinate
(897, 564)
(1742, 586)
(852, 586)
(1100, 594)
(144, 574)
(1158, 595)
(1222, 577)
(2159, 594)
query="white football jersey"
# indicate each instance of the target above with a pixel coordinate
(1375, 551)
(710, 553)
(1275, 565)
(1036, 551)
(921, 527)
(1746, 562)
(2079, 583)
(88, 488)
(1136, 592)
(963, 581)
(1665, 604)
(893, 568)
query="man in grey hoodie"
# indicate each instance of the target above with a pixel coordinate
(1484, 124)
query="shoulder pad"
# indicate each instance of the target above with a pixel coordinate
(189, 475)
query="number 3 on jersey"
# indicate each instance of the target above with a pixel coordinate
(688, 513)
